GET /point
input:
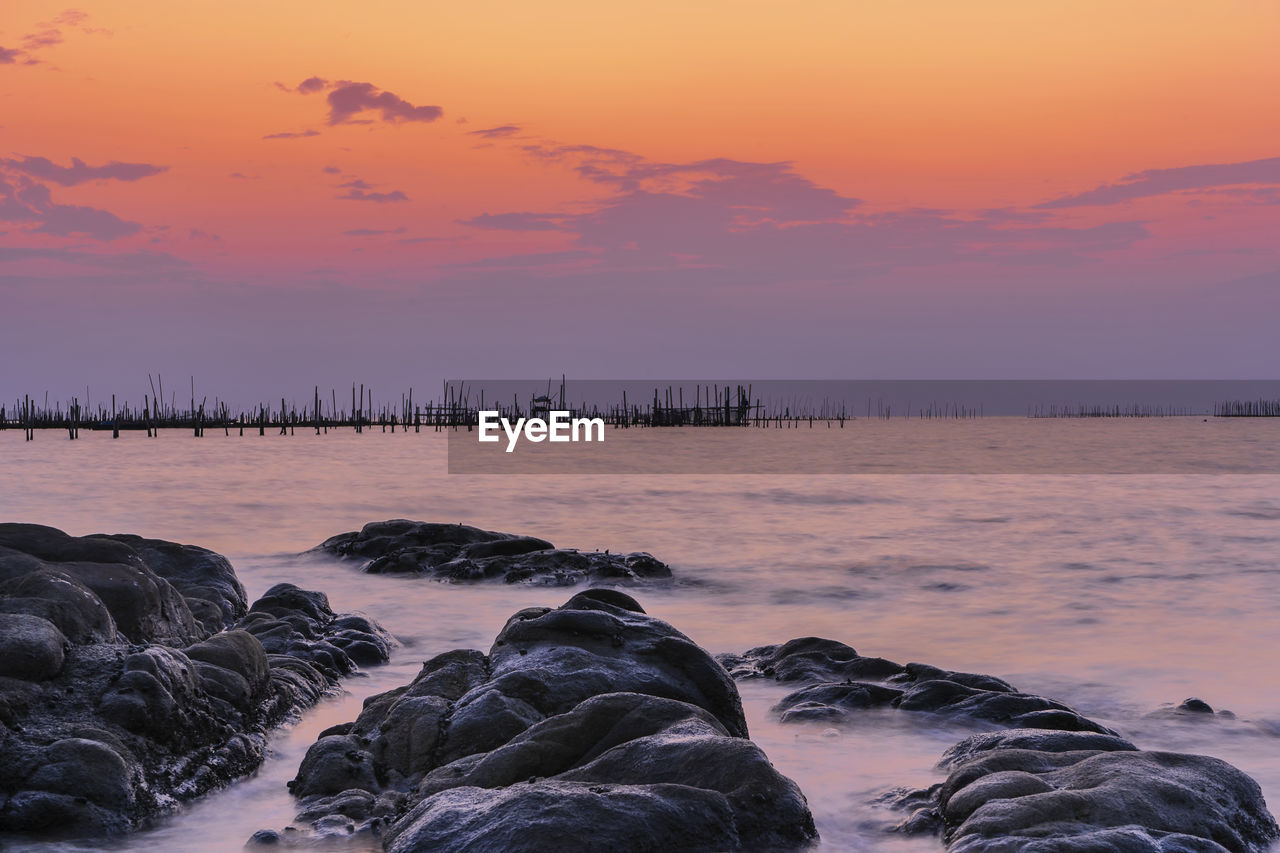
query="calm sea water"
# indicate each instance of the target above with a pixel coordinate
(1114, 593)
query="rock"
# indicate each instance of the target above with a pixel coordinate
(70, 605)
(335, 764)
(555, 816)
(100, 730)
(1124, 800)
(300, 623)
(840, 683)
(144, 606)
(590, 726)
(31, 648)
(1052, 781)
(808, 659)
(1191, 710)
(459, 553)
(84, 768)
(238, 652)
(206, 580)
(1032, 739)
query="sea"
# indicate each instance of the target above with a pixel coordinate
(1117, 593)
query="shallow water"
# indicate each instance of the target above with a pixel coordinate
(1113, 593)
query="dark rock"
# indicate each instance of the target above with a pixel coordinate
(555, 816)
(285, 599)
(98, 734)
(459, 553)
(1085, 792)
(808, 659)
(840, 683)
(205, 579)
(591, 726)
(1086, 800)
(31, 648)
(70, 605)
(1191, 710)
(335, 764)
(1052, 781)
(144, 606)
(238, 652)
(1032, 739)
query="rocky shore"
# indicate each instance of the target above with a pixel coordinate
(1046, 779)
(135, 676)
(458, 553)
(591, 726)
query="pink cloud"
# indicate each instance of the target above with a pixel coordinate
(80, 172)
(348, 99)
(377, 197)
(305, 134)
(1153, 182)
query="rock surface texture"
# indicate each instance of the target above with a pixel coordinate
(592, 726)
(133, 675)
(1048, 781)
(835, 683)
(459, 553)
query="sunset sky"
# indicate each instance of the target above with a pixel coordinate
(275, 195)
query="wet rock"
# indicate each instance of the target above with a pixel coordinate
(143, 605)
(1011, 798)
(588, 726)
(206, 580)
(98, 732)
(300, 623)
(810, 660)
(1035, 740)
(31, 648)
(840, 683)
(70, 605)
(1191, 710)
(460, 553)
(1052, 781)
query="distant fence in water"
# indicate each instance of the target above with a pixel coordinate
(1247, 409)
(458, 407)
(1113, 411)
(460, 404)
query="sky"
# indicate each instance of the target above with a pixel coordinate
(273, 196)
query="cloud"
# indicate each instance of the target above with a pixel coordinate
(348, 99)
(197, 234)
(80, 172)
(361, 190)
(517, 221)
(740, 221)
(71, 17)
(27, 201)
(496, 132)
(311, 84)
(379, 198)
(241, 176)
(288, 135)
(1153, 182)
(42, 39)
(412, 240)
(373, 232)
(331, 170)
(66, 220)
(10, 55)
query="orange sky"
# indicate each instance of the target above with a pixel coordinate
(931, 105)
